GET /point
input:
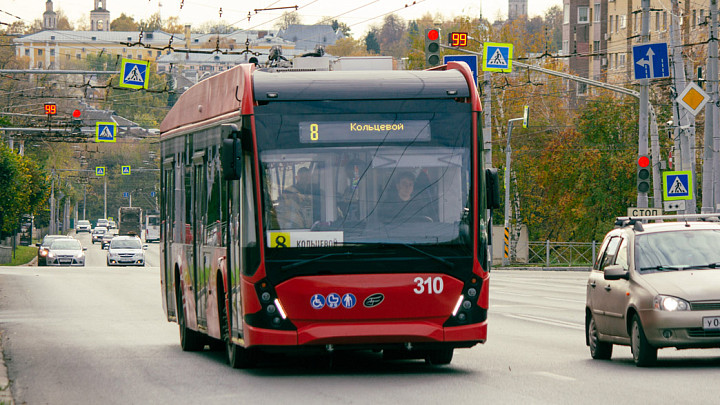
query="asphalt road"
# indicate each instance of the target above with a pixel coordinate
(98, 335)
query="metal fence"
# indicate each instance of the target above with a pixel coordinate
(562, 253)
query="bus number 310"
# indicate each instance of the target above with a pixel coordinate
(433, 285)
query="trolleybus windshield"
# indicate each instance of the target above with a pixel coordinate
(349, 179)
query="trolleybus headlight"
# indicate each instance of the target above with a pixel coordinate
(457, 305)
(280, 309)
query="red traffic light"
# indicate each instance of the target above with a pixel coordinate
(433, 35)
(76, 113)
(643, 161)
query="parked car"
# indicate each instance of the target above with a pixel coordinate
(98, 233)
(83, 226)
(112, 224)
(44, 246)
(126, 251)
(106, 238)
(655, 285)
(66, 252)
(102, 222)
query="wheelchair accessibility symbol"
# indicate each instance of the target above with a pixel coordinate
(317, 301)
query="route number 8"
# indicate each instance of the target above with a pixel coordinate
(313, 132)
(433, 285)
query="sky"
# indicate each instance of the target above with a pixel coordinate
(358, 14)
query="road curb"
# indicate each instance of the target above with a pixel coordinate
(5, 391)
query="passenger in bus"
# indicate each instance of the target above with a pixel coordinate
(400, 205)
(294, 210)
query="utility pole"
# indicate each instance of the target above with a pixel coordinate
(508, 152)
(711, 117)
(683, 130)
(642, 197)
(52, 203)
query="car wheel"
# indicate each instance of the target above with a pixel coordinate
(598, 350)
(644, 354)
(439, 357)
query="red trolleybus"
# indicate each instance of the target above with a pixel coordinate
(327, 211)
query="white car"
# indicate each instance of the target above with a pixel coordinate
(66, 252)
(102, 222)
(83, 225)
(126, 251)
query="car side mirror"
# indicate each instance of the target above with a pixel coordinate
(145, 247)
(84, 248)
(616, 272)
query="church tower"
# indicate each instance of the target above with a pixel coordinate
(49, 16)
(516, 8)
(100, 17)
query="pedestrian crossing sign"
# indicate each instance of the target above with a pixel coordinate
(497, 57)
(105, 131)
(134, 74)
(677, 185)
(100, 171)
(125, 170)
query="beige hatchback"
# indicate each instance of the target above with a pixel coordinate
(655, 285)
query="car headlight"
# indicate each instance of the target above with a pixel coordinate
(43, 253)
(50, 255)
(668, 303)
(79, 255)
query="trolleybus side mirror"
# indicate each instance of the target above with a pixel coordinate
(492, 188)
(231, 152)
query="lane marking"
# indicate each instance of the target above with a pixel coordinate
(548, 321)
(553, 376)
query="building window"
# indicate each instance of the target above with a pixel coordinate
(596, 12)
(566, 47)
(664, 20)
(623, 21)
(657, 21)
(566, 14)
(52, 52)
(622, 60)
(27, 52)
(596, 50)
(78, 56)
(694, 19)
(617, 23)
(583, 15)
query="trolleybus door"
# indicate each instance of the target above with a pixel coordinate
(199, 267)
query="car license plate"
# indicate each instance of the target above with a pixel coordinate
(711, 323)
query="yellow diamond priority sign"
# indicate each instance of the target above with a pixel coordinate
(693, 98)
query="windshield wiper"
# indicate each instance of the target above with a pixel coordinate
(704, 266)
(304, 262)
(663, 268)
(449, 264)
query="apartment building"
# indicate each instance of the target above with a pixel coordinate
(598, 36)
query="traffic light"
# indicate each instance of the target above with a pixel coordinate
(643, 174)
(76, 122)
(432, 47)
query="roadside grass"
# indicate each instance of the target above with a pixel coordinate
(23, 255)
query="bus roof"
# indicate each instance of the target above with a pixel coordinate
(219, 97)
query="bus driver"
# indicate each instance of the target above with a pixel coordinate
(294, 209)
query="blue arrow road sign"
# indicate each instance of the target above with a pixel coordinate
(471, 60)
(134, 74)
(651, 61)
(126, 194)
